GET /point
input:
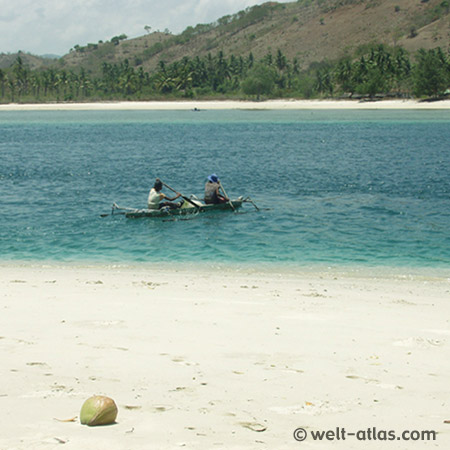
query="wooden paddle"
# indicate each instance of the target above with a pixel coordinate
(182, 196)
(229, 200)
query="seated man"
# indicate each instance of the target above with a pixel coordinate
(155, 197)
(212, 191)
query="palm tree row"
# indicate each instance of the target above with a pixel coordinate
(382, 70)
(51, 84)
(372, 70)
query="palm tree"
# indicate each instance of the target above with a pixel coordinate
(21, 74)
(431, 72)
(281, 61)
(12, 89)
(36, 83)
(324, 82)
(84, 83)
(345, 76)
(250, 60)
(3, 81)
(164, 82)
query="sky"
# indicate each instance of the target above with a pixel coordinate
(55, 26)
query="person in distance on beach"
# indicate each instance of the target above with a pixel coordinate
(212, 191)
(156, 197)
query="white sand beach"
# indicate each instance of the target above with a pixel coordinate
(231, 104)
(233, 359)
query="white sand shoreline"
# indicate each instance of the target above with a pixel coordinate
(200, 359)
(238, 269)
(232, 105)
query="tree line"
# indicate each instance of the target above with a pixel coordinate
(375, 70)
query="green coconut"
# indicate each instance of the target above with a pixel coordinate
(98, 410)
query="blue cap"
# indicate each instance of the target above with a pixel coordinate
(213, 178)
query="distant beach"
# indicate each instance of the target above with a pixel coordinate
(231, 104)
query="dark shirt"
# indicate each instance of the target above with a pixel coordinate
(211, 193)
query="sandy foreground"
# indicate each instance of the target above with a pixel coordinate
(242, 105)
(231, 359)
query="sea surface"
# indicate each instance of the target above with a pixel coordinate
(334, 188)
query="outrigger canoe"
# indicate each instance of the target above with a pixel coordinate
(185, 209)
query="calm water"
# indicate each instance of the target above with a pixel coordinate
(365, 188)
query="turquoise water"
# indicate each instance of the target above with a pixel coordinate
(369, 188)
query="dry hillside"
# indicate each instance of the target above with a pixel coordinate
(310, 30)
(31, 61)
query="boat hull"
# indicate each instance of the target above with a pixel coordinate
(165, 212)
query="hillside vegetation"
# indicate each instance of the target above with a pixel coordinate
(308, 48)
(309, 30)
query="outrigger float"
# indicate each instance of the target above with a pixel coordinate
(187, 208)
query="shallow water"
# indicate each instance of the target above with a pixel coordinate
(368, 188)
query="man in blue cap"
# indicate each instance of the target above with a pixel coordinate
(212, 191)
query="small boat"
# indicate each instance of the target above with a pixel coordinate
(186, 208)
